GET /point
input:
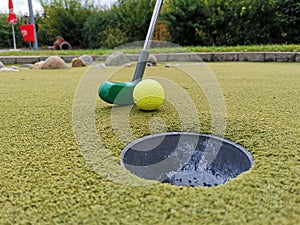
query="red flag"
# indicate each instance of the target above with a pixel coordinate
(12, 18)
(27, 32)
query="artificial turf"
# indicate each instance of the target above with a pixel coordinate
(45, 177)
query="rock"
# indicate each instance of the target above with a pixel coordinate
(152, 59)
(127, 65)
(54, 62)
(5, 69)
(168, 65)
(116, 59)
(1, 65)
(38, 65)
(76, 62)
(88, 60)
(14, 67)
(28, 65)
(100, 66)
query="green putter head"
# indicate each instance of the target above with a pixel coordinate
(120, 93)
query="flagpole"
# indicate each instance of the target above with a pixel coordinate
(14, 37)
(12, 19)
(35, 43)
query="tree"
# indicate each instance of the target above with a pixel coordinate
(289, 19)
(101, 29)
(221, 22)
(256, 22)
(186, 21)
(134, 17)
(5, 32)
(65, 18)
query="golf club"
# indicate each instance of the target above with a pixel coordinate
(120, 93)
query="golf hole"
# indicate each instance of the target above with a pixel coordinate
(186, 159)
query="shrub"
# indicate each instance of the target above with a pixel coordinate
(289, 19)
(65, 18)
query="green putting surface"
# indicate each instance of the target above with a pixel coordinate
(45, 178)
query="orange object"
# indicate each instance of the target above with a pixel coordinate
(58, 42)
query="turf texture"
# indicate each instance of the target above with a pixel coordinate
(44, 178)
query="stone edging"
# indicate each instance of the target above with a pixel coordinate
(168, 57)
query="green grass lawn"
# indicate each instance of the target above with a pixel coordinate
(241, 48)
(44, 178)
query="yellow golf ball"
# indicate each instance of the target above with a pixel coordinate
(148, 95)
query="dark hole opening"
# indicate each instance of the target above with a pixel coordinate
(186, 159)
